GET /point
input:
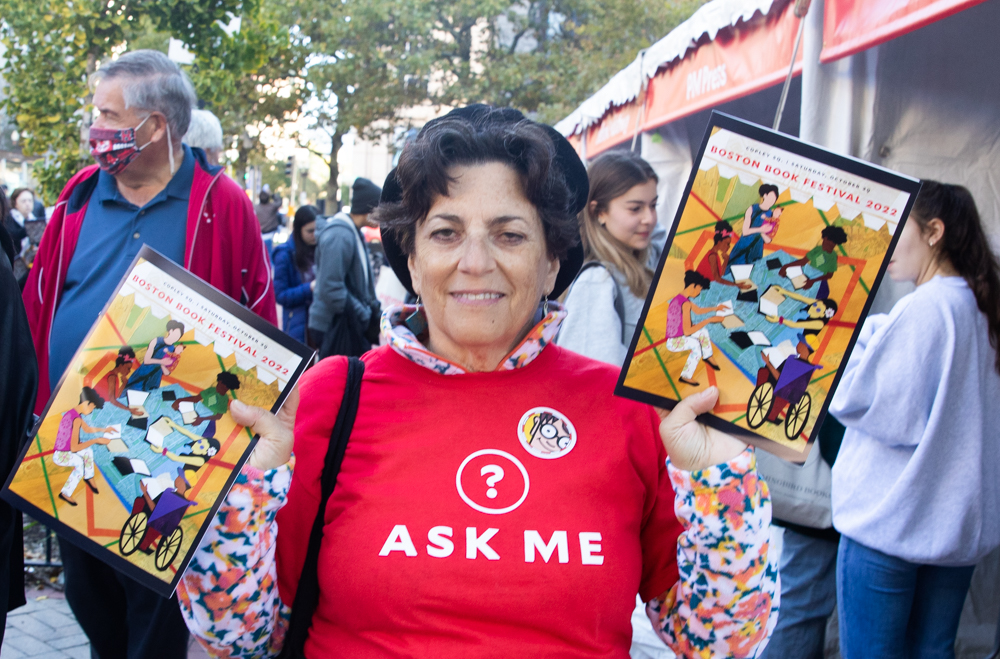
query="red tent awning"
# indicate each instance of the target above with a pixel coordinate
(741, 60)
(850, 26)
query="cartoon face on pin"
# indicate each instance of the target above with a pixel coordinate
(546, 433)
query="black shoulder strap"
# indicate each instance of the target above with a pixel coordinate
(619, 300)
(307, 595)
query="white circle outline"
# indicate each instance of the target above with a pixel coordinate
(547, 456)
(483, 509)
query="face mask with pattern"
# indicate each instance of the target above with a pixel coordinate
(115, 148)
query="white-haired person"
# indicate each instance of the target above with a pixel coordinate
(146, 188)
(205, 133)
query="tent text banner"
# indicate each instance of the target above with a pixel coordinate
(850, 26)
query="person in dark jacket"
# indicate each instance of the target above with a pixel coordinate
(344, 299)
(18, 382)
(269, 215)
(295, 273)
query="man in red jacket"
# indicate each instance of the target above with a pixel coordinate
(147, 188)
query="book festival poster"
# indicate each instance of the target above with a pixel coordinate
(136, 448)
(771, 266)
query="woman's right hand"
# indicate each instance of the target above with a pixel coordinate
(275, 445)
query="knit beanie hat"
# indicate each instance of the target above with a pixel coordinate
(365, 197)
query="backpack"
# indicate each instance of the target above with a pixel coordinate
(619, 298)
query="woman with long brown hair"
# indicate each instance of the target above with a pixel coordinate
(915, 492)
(617, 227)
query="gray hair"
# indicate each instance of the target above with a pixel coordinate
(205, 131)
(153, 83)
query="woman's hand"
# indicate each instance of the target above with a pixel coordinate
(275, 445)
(693, 446)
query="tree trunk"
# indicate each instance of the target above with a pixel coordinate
(332, 186)
(87, 114)
(240, 166)
(542, 31)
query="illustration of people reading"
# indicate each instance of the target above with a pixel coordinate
(166, 511)
(71, 452)
(113, 384)
(817, 314)
(170, 359)
(822, 258)
(195, 453)
(715, 263)
(215, 398)
(160, 353)
(759, 226)
(682, 334)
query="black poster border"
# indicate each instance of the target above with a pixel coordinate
(242, 315)
(778, 140)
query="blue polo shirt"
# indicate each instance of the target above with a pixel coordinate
(113, 231)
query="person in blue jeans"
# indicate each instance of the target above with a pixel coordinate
(295, 273)
(915, 493)
(808, 570)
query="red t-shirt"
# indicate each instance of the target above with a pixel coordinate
(453, 493)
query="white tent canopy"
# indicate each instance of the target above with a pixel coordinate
(626, 85)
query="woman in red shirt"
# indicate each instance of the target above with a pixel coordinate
(494, 499)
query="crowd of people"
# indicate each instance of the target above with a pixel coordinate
(642, 529)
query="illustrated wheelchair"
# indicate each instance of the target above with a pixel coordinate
(787, 394)
(137, 530)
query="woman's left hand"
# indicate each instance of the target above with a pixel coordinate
(693, 446)
(276, 431)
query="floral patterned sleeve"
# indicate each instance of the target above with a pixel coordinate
(725, 603)
(229, 593)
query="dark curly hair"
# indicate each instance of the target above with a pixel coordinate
(523, 145)
(228, 380)
(835, 235)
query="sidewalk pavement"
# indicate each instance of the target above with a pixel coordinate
(46, 629)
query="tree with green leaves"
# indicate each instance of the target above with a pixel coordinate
(53, 47)
(368, 62)
(251, 78)
(544, 56)
(371, 60)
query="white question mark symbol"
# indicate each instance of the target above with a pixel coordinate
(496, 477)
